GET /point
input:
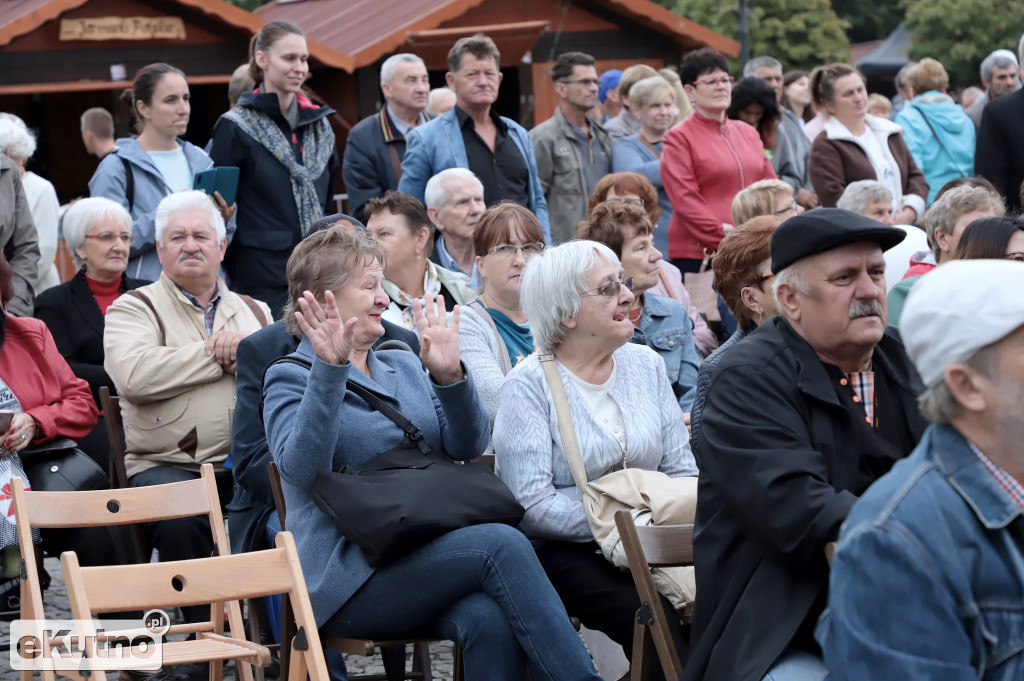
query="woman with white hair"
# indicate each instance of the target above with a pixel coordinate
(624, 413)
(98, 233)
(18, 143)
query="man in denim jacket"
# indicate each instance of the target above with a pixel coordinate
(928, 576)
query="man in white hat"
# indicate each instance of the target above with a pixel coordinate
(928, 576)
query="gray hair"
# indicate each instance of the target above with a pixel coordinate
(16, 140)
(649, 90)
(1004, 59)
(901, 75)
(86, 213)
(794, 277)
(387, 69)
(435, 195)
(959, 201)
(552, 287)
(187, 201)
(751, 67)
(937, 403)
(860, 194)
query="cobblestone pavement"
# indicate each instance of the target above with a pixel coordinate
(55, 602)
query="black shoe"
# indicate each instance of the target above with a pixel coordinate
(190, 671)
(132, 675)
(273, 670)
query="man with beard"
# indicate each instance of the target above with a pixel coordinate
(801, 417)
(926, 581)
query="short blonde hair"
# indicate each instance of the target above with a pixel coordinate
(757, 199)
(649, 90)
(877, 101)
(927, 75)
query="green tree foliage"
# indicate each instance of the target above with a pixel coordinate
(868, 19)
(960, 34)
(799, 33)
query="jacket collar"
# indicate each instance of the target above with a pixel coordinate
(834, 130)
(129, 149)
(814, 381)
(267, 103)
(226, 308)
(85, 302)
(385, 378)
(388, 127)
(654, 306)
(969, 477)
(567, 127)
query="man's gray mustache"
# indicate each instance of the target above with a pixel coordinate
(866, 308)
(198, 255)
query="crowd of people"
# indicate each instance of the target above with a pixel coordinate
(761, 284)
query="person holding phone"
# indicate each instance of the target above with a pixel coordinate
(284, 147)
(142, 170)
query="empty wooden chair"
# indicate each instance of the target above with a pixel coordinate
(96, 590)
(648, 547)
(112, 507)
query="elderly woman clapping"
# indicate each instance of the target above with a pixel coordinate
(623, 410)
(98, 232)
(479, 586)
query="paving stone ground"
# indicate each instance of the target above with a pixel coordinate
(55, 602)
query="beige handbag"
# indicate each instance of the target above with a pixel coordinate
(652, 498)
(701, 287)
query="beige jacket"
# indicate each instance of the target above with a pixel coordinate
(174, 398)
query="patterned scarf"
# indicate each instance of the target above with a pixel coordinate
(400, 310)
(318, 145)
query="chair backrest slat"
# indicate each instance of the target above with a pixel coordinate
(118, 506)
(111, 588)
(666, 545)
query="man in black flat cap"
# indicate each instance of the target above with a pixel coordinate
(801, 417)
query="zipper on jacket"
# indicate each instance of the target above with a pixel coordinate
(721, 131)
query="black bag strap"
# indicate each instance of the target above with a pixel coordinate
(395, 416)
(129, 183)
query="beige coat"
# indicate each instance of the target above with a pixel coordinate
(174, 398)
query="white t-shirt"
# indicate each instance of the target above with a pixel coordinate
(602, 408)
(174, 167)
(874, 149)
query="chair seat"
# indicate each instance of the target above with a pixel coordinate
(366, 647)
(207, 650)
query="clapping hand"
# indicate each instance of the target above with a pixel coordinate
(332, 338)
(439, 341)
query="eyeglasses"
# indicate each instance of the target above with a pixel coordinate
(631, 200)
(611, 289)
(108, 238)
(582, 81)
(1016, 255)
(509, 251)
(714, 82)
(791, 207)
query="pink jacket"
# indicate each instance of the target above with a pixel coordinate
(704, 163)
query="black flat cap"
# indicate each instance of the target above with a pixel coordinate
(823, 229)
(329, 220)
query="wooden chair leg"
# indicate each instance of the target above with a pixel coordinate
(421, 658)
(254, 632)
(458, 664)
(287, 636)
(640, 665)
(296, 663)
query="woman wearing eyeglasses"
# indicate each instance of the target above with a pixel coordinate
(494, 335)
(706, 160)
(98, 233)
(993, 239)
(624, 413)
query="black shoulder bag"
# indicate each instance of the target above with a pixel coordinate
(407, 496)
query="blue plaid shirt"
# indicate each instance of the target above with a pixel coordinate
(208, 312)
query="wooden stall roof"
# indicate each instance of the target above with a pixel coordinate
(20, 17)
(367, 30)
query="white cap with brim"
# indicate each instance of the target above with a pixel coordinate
(959, 308)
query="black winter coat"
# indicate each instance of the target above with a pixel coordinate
(999, 154)
(778, 477)
(74, 319)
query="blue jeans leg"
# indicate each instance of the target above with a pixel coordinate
(796, 665)
(434, 590)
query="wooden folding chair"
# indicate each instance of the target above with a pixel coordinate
(647, 547)
(114, 507)
(95, 590)
(118, 472)
(358, 646)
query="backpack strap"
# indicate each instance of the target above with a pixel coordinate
(135, 293)
(256, 310)
(129, 183)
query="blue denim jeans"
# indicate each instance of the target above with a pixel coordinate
(796, 665)
(483, 588)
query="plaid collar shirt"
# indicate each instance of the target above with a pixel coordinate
(1009, 485)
